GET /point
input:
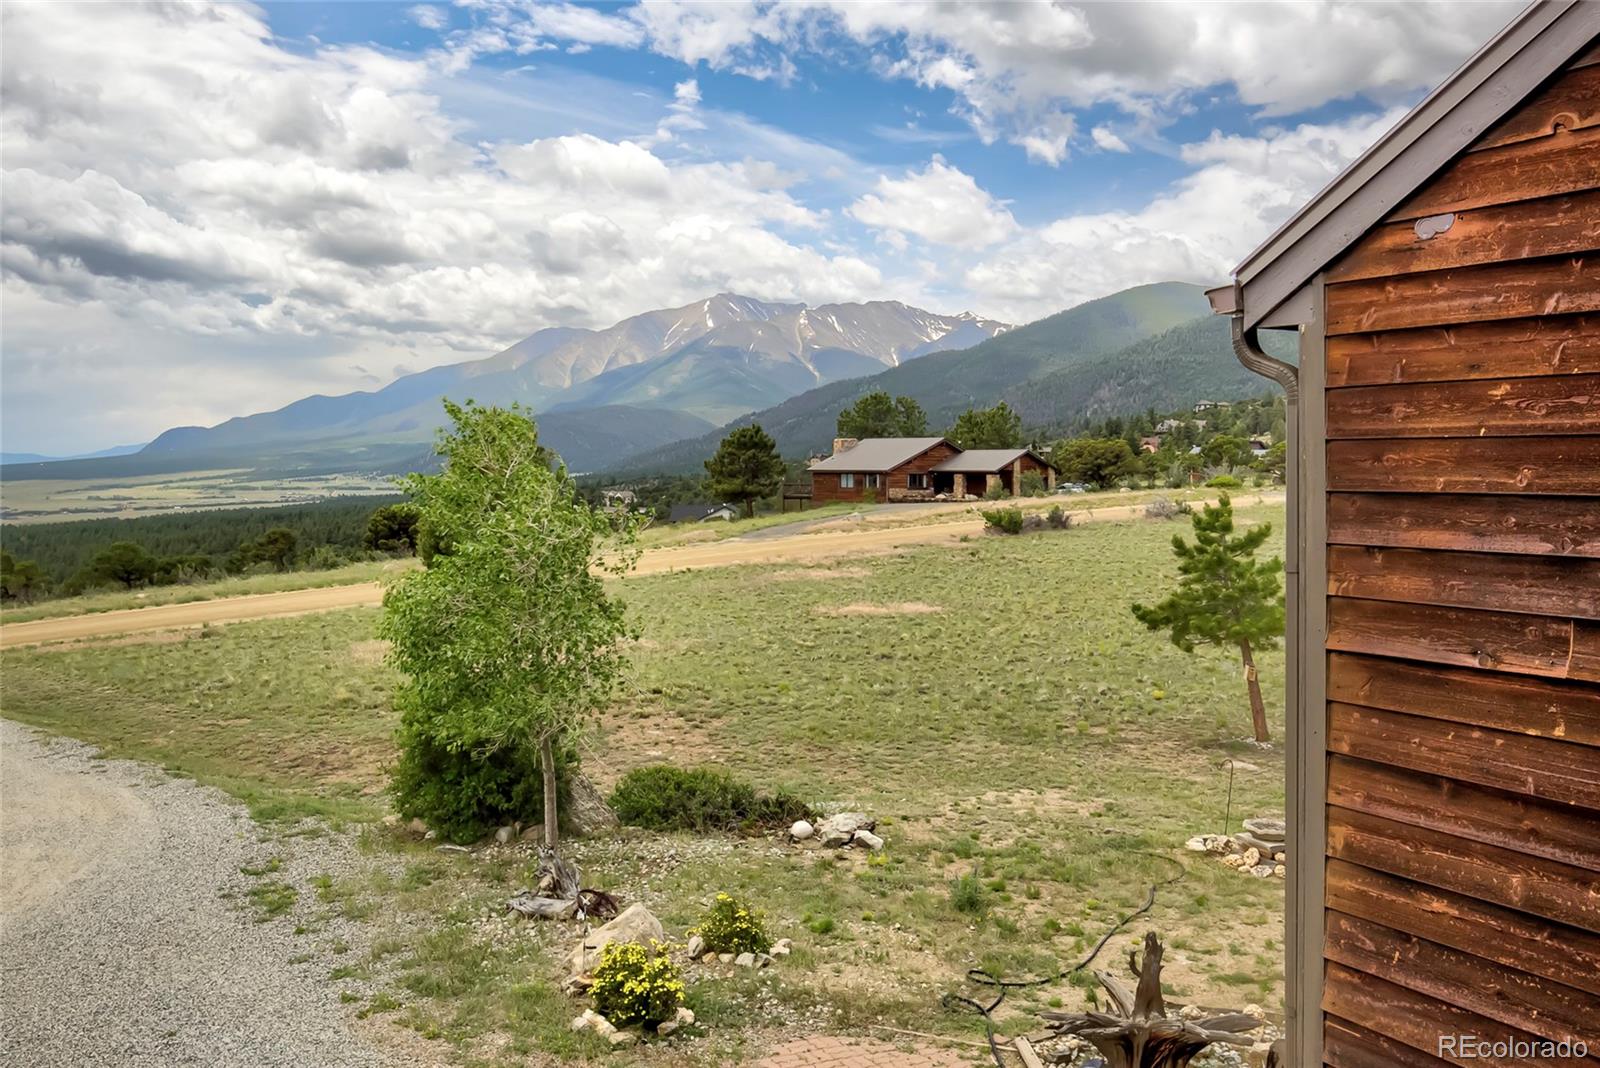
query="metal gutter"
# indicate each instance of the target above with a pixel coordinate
(1247, 348)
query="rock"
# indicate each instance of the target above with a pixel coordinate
(579, 1023)
(1246, 840)
(867, 839)
(1197, 844)
(1262, 871)
(697, 946)
(533, 834)
(725, 958)
(665, 1028)
(763, 959)
(586, 811)
(708, 958)
(1191, 1012)
(635, 924)
(1269, 827)
(1280, 856)
(593, 1021)
(685, 1015)
(450, 848)
(618, 1039)
(1252, 857)
(1257, 1056)
(837, 830)
(1233, 860)
(782, 947)
(1280, 871)
(505, 836)
(416, 826)
(800, 830)
(745, 960)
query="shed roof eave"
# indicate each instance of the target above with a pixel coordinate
(1498, 77)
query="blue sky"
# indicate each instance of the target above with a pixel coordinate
(213, 210)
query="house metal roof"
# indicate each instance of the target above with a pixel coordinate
(877, 454)
(982, 461)
(1541, 40)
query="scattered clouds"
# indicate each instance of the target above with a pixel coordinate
(1242, 189)
(1105, 139)
(938, 204)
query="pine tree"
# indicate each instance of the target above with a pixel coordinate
(746, 467)
(1225, 596)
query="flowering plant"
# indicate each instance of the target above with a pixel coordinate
(731, 927)
(633, 984)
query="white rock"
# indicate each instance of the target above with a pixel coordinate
(697, 947)
(867, 839)
(745, 960)
(801, 830)
(1197, 844)
(685, 1016)
(622, 1038)
(1280, 856)
(635, 924)
(593, 1021)
(1262, 871)
(1280, 871)
(666, 1027)
(1233, 860)
(782, 947)
(505, 836)
(1252, 857)
(726, 958)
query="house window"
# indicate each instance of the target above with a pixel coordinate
(874, 481)
(917, 482)
(847, 481)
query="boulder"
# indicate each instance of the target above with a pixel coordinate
(635, 924)
(587, 811)
(801, 830)
(868, 840)
(745, 960)
(622, 1038)
(1252, 857)
(838, 830)
(505, 835)
(696, 947)
(593, 1021)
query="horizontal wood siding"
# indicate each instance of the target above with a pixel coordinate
(1462, 404)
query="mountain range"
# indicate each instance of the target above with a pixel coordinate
(657, 391)
(655, 377)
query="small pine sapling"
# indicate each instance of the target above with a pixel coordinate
(1225, 596)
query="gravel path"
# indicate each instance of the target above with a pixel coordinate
(116, 944)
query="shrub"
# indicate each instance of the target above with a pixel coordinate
(666, 798)
(633, 984)
(996, 492)
(1059, 518)
(1223, 482)
(464, 794)
(967, 893)
(1033, 485)
(732, 927)
(1005, 520)
(1161, 508)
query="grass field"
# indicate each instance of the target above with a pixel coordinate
(994, 704)
(53, 500)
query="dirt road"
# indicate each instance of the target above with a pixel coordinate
(805, 547)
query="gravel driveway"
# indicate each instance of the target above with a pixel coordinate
(116, 944)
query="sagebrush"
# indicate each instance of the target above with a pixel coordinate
(663, 797)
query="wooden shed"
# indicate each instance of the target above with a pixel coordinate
(1444, 569)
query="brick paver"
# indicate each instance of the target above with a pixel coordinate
(831, 1052)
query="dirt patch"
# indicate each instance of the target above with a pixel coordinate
(817, 574)
(370, 652)
(865, 608)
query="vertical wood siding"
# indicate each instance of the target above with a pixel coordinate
(1462, 405)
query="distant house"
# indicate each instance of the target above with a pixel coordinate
(1150, 444)
(701, 512)
(618, 497)
(1207, 405)
(1167, 426)
(920, 469)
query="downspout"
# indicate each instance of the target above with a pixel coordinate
(1304, 1015)
(1249, 352)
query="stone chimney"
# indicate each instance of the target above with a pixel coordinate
(844, 444)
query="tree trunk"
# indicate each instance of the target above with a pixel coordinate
(750, 508)
(1258, 709)
(547, 768)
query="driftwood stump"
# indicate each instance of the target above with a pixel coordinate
(559, 896)
(1139, 1034)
